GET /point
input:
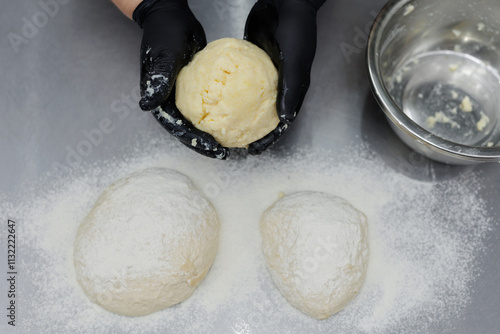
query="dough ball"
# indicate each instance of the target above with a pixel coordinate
(229, 90)
(316, 249)
(147, 243)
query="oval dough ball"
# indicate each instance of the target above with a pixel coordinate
(147, 243)
(229, 90)
(316, 247)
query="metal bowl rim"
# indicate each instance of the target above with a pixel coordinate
(397, 116)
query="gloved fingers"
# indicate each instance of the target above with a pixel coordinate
(221, 154)
(296, 37)
(156, 90)
(261, 15)
(260, 27)
(172, 120)
(290, 40)
(156, 81)
(171, 38)
(259, 146)
(292, 88)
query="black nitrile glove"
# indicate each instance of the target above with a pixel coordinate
(286, 30)
(174, 122)
(172, 36)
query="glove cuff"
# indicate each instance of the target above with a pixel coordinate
(316, 3)
(148, 6)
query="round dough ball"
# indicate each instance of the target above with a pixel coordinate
(316, 247)
(229, 91)
(147, 243)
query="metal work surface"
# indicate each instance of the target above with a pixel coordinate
(77, 70)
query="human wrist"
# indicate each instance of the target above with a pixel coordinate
(127, 7)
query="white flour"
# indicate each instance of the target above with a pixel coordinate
(425, 237)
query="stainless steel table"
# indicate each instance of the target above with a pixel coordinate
(63, 73)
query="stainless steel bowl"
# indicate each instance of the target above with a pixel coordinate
(434, 68)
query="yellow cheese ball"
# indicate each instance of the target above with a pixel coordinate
(229, 91)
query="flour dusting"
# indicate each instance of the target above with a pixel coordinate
(424, 236)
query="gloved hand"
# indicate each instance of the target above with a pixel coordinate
(172, 35)
(286, 30)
